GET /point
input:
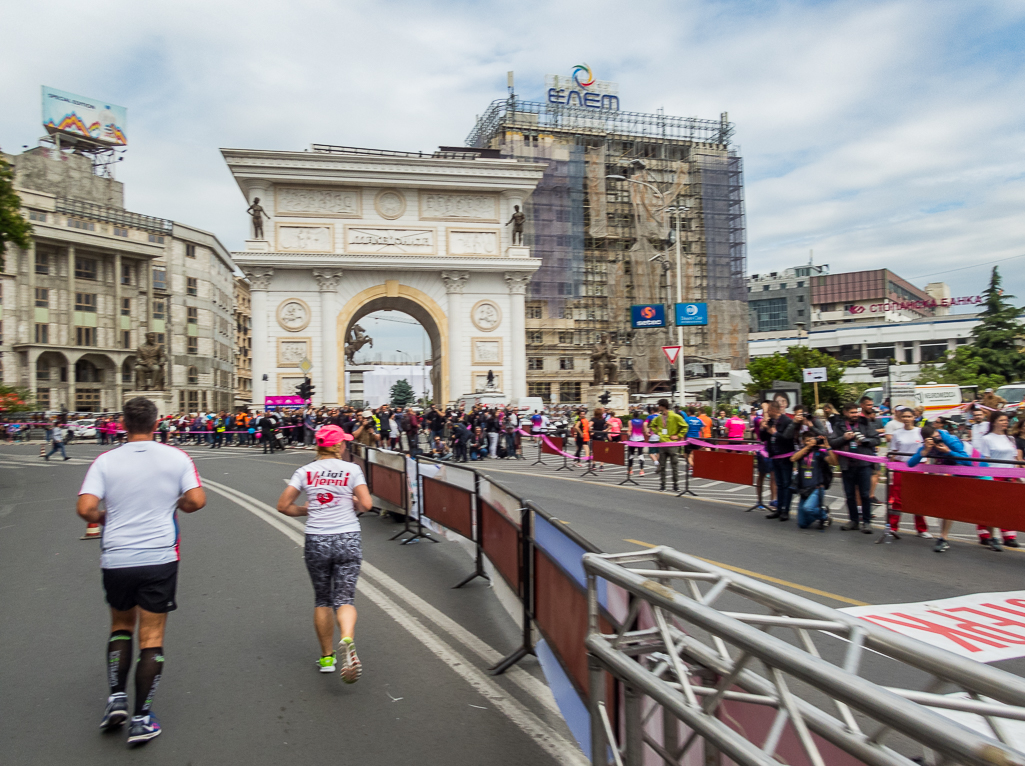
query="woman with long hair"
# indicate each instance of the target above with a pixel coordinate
(335, 492)
(998, 444)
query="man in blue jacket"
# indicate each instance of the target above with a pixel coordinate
(943, 448)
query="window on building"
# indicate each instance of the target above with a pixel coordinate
(765, 288)
(126, 273)
(533, 312)
(160, 338)
(782, 285)
(535, 363)
(566, 337)
(42, 263)
(159, 279)
(193, 401)
(156, 238)
(565, 363)
(43, 398)
(930, 352)
(87, 399)
(535, 338)
(888, 351)
(126, 339)
(85, 336)
(36, 215)
(159, 308)
(42, 369)
(543, 390)
(800, 299)
(119, 232)
(193, 345)
(191, 286)
(74, 223)
(85, 268)
(770, 314)
(126, 372)
(802, 272)
(800, 312)
(126, 307)
(85, 302)
(193, 376)
(42, 298)
(192, 315)
(800, 283)
(42, 333)
(190, 251)
(569, 392)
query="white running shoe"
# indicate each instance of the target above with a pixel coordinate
(925, 535)
(352, 668)
(327, 664)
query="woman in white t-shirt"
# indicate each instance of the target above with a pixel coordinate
(335, 491)
(997, 444)
(905, 441)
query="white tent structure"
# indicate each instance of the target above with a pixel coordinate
(377, 382)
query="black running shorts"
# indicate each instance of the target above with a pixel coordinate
(151, 587)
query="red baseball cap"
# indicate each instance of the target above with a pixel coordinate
(330, 436)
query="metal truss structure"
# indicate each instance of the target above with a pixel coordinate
(682, 653)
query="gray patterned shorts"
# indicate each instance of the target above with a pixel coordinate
(333, 562)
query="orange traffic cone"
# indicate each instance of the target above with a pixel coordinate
(92, 532)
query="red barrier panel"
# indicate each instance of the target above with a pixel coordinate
(732, 467)
(557, 441)
(388, 484)
(448, 505)
(501, 540)
(998, 504)
(608, 452)
(560, 610)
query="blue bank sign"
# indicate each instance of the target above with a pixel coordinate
(648, 315)
(581, 90)
(688, 314)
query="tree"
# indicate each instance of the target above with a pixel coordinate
(787, 367)
(15, 399)
(14, 229)
(402, 393)
(998, 333)
(963, 366)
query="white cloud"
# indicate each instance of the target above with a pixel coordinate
(877, 133)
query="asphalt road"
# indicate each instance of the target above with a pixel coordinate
(240, 684)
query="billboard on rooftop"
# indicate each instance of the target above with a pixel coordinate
(82, 117)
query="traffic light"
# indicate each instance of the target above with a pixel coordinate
(674, 379)
(305, 389)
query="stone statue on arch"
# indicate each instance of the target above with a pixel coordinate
(517, 220)
(258, 214)
(357, 339)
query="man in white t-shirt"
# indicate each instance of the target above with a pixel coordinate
(335, 489)
(980, 427)
(905, 441)
(142, 485)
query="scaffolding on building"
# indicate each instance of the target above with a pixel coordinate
(600, 240)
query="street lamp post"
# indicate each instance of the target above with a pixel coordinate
(677, 212)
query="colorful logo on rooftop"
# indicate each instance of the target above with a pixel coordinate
(583, 76)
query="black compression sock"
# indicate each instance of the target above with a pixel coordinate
(119, 660)
(147, 675)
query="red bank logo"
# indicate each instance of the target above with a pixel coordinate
(647, 312)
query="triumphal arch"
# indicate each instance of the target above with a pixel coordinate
(338, 232)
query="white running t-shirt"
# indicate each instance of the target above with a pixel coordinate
(906, 440)
(328, 485)
(140, 483)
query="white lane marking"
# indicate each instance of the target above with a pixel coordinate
(710, 484)
(547, 738)
(489, 655)
(736, 488)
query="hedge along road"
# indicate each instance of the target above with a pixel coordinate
(240, 682)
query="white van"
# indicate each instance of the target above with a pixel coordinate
(937, 399)
(1014, 393)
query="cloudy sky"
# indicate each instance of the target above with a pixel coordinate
(876, 133)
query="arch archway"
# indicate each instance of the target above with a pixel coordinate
(397, 297)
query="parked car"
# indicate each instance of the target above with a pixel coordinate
(1014, 393)
(83, 429)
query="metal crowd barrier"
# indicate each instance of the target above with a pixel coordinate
(645, 674)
